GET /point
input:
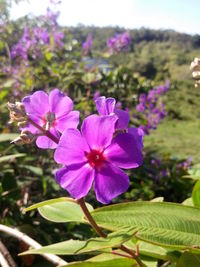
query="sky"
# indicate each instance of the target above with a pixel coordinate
(179, 15)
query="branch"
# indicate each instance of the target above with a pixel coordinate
(6, 255)
(31, 242)
(3, 261)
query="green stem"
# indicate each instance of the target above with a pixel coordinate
(98, 230)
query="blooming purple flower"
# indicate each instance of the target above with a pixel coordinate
(93, 156)
(53, 113)
(107, 106)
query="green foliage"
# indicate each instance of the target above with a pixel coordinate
(75, 247)
(160, 223)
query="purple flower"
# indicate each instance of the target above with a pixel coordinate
(53, 113)
(119, 42)
(106, 106)
(93, 157)
(87, 45)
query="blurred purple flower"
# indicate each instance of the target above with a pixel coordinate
(119, 42)
(53, 113)
(151, 107)
(97, 159)
(87, 45)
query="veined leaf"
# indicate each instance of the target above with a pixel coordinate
(165, 224)
(75, 247)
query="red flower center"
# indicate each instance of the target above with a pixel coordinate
(95, 158)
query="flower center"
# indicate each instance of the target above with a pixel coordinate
(95, 158)
(49, 120)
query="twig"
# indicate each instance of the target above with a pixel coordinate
(3, 261)
(6, 254)
(31, 242)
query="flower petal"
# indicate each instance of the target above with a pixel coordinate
(76, 179)
(71, 148)
(109, 182)
(59, 103)
(98, 130)
(45, 142)
(123, 120)
(105, 106)
(36, 104)
(138, 134)
(124, 151)
(70, 120)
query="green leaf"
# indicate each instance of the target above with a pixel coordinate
(158, 199)
(47, 202)
(187, 259)
(188, 202)
(35, 170)
(194, 172)
(148, 262)
(153, 251)
(60, 210)
(108, 263)
(11, 157)
(165, 224)
(196, 194)
(8, 137)
(75, 247)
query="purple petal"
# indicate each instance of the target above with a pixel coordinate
(76, 179)
(71, 120)
(124, 151)
(105, 106)
(110, 182)
(36, 104)
(59, 103)
(138, 134)
(98, 130)
(45, 142)
(71, 148)
(123, 120)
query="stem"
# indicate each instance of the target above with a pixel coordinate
(47, 133)
(94, 225)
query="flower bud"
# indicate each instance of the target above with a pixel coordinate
(25, 137)
(17, 112)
